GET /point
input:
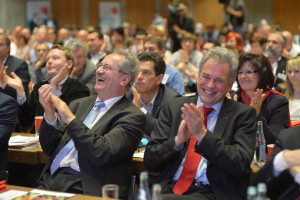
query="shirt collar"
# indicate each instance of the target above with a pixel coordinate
(216, 107)
(110, 102)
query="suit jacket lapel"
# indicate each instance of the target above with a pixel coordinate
(224, 116)
(158, 101)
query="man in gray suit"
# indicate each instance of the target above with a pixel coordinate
(99, 135)
(84, 70)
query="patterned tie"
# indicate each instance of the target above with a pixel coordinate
(70, 145)
(191, 163)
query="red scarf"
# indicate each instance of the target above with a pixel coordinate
(267, 93)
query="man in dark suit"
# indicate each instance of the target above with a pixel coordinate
(196, 162)
(275, 173)
(8, 117)
(84, 70)
(11, 64)
(59, 64)
(104, 144)
(274, 48)
(96, 43)
(150, 93)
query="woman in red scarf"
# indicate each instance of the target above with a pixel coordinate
(255, 81)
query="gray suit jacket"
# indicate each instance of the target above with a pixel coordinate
(229, 149)
(88, 77)
(104, 152)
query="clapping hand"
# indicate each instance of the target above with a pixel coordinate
(257, 100)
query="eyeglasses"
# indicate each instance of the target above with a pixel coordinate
(107, 68)
(247, 73)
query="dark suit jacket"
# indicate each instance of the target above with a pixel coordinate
(274, 114)
(20, 67)
(164, 93)
(8, 117)
(288, 139)
(71, 90)
(281, 68)
(229, 149)
(104, 152)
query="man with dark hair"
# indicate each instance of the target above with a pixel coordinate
(149, 94)
(11, 64)
(209, 44)
(100, 133)
(95, 42)
(139, 37)
(172, 77)
(203, 145)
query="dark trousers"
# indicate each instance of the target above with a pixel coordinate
(193, 193)
(61, 182)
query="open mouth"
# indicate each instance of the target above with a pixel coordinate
(208, 92)
(100, 78)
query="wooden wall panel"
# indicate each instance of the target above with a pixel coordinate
(208, 11)
(140, 12)
(67, 11)
(286, 13)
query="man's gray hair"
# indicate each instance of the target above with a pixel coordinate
(75, 45)
(130, 65)
(283, 39)
(221, 55)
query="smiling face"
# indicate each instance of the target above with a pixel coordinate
(212, 84)
(55, 61)
(247, 80)
(109, 81)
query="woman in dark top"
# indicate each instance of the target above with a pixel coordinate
(255, 81)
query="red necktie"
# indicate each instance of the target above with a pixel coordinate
(191, 163)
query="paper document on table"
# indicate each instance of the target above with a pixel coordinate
(19, 140)
(60, 194)
(139, 154)
(11, 194)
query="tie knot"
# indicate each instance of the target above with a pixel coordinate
(207, 111)
(99, 104)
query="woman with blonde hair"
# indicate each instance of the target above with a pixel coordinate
(293, 88)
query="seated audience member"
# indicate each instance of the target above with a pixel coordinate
(101, 133)
(95, 42)
(255, 81)
(118, 39)
(22, 46)
(209, 44)
(257, 43)
(275, 173)
(37, 70)
(292, 91)
(8, 118)
(84, 70)
(235, 40)
(138, 40)
(59, 64)
(290, 49)
(187, 59)
(172, 77)
(150, 94)
(11, 64)
(274, 48)
(196, 161)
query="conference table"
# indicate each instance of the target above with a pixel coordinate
(35, 155)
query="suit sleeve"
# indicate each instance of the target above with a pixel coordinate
(105, 146)
(278, 120)
(235, 155)
(160, 150)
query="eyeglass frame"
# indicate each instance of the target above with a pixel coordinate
(107, 68)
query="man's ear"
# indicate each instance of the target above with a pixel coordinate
(70, 63)
(159, 78)
(125, 79)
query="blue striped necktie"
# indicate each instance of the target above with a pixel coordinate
(70, 145)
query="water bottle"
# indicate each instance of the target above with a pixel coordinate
(261, 191)
(156, 189)
(260, 148)
(251, 193)
(144, 191)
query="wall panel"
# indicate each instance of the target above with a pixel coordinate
(67, 11)
(140, 12)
